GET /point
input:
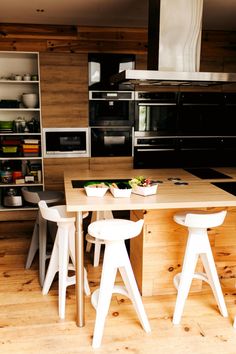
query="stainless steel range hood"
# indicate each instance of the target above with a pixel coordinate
(174, 41)
(171, 78)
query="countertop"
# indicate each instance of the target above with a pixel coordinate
(197, 193)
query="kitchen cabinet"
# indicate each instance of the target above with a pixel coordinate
(21, 162)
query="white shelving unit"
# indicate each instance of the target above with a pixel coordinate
(29, 163)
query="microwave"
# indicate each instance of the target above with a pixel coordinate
(66, 142)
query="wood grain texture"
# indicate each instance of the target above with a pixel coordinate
(29, 321)
(64, 82)
(54, 170)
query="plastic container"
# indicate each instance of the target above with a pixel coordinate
(6, 176)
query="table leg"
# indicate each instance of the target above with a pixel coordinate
(79, 268)
(42, 247)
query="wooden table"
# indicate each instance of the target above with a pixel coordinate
(197, 194)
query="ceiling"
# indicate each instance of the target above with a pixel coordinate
(217, 14)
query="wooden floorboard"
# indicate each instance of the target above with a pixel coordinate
(29, 321)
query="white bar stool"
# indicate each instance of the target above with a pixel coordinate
(97, 215)
(39, 236)
(114, 232)
(63, 248)
(198, 244)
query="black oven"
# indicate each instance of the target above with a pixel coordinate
(108, 141)
(156, 112)
(111, 108)
(200, 114)
(152, 151)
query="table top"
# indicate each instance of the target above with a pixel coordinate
(196, 194)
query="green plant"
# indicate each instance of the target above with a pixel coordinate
(140, 181)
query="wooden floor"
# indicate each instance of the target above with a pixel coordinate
(29, 321)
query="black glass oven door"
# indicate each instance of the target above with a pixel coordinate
(156, 117)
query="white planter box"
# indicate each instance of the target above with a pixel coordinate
(120, 193)
(145, 190)
(95, 192)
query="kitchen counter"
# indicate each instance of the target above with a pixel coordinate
(157, 254)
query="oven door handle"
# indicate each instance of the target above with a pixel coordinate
(156, 104)
(147, 150)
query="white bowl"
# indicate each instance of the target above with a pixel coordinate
(30, 100)
(120, 193)
(145, 190)
(95, 191)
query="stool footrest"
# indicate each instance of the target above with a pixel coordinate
(197, 275)
(117, 289)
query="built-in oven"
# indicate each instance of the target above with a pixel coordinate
(151, 151)
(108, 141)
(200, 114)
(156, 112)
(111, 108)
(66, 142)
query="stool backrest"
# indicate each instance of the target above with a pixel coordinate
(205, 220)
(30, 196)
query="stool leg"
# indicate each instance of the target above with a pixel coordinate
(234, 325)
(105, 294)
(63, 238)
(189, 265)
(97, 250)
(88, 247)
(42, 248)
(210, 269)
(52, 267)
(34, 245)
(132, 288)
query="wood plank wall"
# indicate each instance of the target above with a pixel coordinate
(64, 76)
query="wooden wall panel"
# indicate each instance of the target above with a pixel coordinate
(108, 163)
(54, 170)
(64, 93)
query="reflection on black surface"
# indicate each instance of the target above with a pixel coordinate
(229, 187)
(206, 173)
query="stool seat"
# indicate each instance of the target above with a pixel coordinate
(198, 245)
(39, 236)
(199, 218)
(114, 229)
(114, 232)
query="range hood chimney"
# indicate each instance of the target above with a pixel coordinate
(174, 43)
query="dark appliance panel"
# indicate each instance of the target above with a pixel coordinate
(156, 112)
(200, 114)
(228, 126)
(199, 152)
(229, 187)
(155, 152)
(206, 173)
(111, 141)
(109, 108)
